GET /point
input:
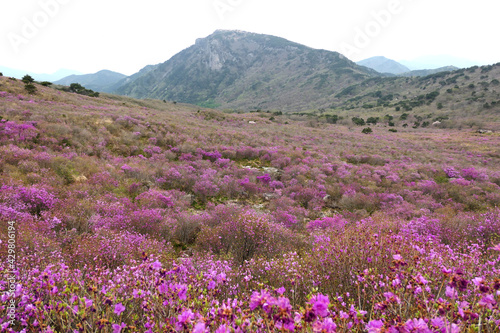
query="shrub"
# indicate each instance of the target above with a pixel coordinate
(27, 79)
(358, 121)
(367, 130)
(249, 234)
(30, 88)
(79, 89)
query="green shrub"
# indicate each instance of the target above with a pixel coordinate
(358, 121)
(27, 79)
(367, 130)
(30, 88)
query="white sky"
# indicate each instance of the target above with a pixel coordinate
(126, 35)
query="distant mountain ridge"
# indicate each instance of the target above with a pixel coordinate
(242, 70)
(384, 65)
(102, 81)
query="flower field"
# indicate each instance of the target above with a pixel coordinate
(145, 216)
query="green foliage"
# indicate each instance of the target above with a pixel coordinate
(372, 120)
(358, 121)
(404, 116)
(440, 106)
(46, 83)
(81, 90)
(27, 79)
(367, 130)
(393, 130)
(398, 108)
(30, 88)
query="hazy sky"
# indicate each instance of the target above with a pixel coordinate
(125, 35)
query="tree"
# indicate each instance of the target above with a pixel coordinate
(372, 120)
(367, 130)
(30, 88)
(27, 79)
(76, 87)
(358, 121)
(46, 83)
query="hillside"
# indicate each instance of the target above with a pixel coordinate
(462, 98)
(384, 65)
(102, 81)
(242, 70)
(425, 72)
(147, 215)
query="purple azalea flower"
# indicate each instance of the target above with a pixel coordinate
(375, 326)
(488, 301)
(119, 308)
(451, 292)
(88, 302)
(118, 328)
(283, 304)
(199, 328)
(417, 325)
(259, 298)
(185, 316)
(156, 265)
(280, 290)
(320, 305)
(329, 326)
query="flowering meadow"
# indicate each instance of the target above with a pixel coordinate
(150, 216)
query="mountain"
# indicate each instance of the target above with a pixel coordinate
(437, 61)
(243, 70)
(19, 73)
(102, 81)
(384, 65)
